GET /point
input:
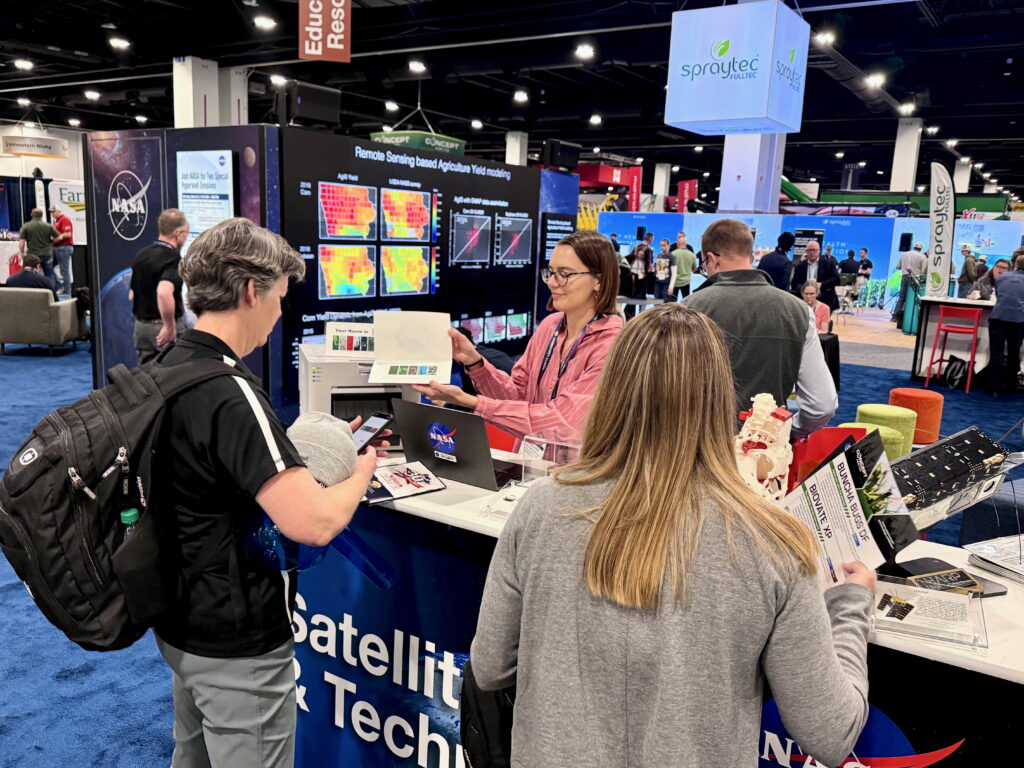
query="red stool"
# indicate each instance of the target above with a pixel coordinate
(954, 313)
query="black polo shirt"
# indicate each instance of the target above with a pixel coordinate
(225, 442)
(157, 261)
(28, 278)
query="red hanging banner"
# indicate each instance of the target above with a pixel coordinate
(325, 32)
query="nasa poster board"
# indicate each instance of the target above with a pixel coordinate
(206, 189)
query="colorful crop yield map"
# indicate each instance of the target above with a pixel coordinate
(347, 211)
(405, 269)
(406, 214)
(348, 271)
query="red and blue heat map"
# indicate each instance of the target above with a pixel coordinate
(406, 214)
(347, 211)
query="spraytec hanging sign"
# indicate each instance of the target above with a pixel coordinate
(737, 69)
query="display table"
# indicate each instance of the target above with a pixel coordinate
(380, 663)
(957, 344)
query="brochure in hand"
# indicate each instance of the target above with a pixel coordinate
(399, 481)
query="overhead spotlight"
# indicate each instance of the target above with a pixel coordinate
(476, 125)
(877, 80)
(840, 155)
(92, 95)
(994, 181)
(862, 164)
(264, 22)
(880, 173)
(639, 161)
(278, 80)
(119, 44)
(23, 64)
(388, 128)
(74, 122)
(706, 174)
(391, 106)
(965, 159)
(520, 96)
(584, 51)
(907, 109)
(951, 143)
(1007, 74)
(920, 187)
(813, 179)
(417, 67)
(703, 194)
(675, 169)
(108, 25)
(595, 119)
(718, 189)
(597, 150)
(931, 130)
(985, 175)
(611, 189)
(979, 165)
(141, 119)
(23, 102)
(29, 124)
(825, 38)
(698, 149)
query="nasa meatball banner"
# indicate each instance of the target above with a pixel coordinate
(125, 178)
(943, 219)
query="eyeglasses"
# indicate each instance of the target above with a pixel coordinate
(560, 278)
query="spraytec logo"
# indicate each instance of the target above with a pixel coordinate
(722, 65)
(790, 74)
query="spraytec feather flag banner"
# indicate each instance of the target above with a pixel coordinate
(943, 219)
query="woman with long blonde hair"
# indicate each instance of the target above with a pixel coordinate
(639, 598)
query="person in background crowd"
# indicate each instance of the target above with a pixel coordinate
(849, 265)
(827, 256)
(686, 265)
(31, 276)
(982, 264)
(777, 263)
(615, 243)
(863, 272)
(984, 286)
(773, 344)
(820, 312)
(1017, 253)
(913, 264)
(63, 248)
(551, 387)
(36, 239)
(156, 288)
(227, 638)
(968, 273)
(1006, 331)
(597, 606)
(641, 262)
(665, 269)
(822, 272)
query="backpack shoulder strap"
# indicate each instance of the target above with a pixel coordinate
(174, 379)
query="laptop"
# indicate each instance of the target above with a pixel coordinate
(452, 444)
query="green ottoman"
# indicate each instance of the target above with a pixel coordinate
(903, 420)
(891, 438)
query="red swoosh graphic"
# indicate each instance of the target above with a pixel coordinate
(907, 761)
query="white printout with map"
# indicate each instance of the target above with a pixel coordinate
(411, 348)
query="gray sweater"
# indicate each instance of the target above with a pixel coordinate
(602, 685)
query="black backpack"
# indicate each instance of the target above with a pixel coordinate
(61, 499)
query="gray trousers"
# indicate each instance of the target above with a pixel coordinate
(233, 712)
(145, 333)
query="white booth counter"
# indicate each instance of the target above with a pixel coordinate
(957, 344)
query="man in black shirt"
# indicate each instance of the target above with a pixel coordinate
(849, 265)
(31, 276)
(777, 263)
(156, 288)
(228, 637)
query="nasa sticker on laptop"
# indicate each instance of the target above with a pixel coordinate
(443, 440)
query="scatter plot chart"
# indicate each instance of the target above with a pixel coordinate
(347, 211)
(406, 269)
(405, 214)
(471, 239)
(348, 271)
(513, 241)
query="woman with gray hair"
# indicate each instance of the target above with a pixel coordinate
(227, 638)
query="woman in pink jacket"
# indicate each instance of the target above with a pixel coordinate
(549, 390)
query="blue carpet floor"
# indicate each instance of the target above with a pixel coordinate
(68, 708)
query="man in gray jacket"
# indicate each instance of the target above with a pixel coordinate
(773, 345)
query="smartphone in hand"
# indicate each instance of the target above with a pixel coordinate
(370, 428)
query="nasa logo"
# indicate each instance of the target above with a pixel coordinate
(28, 457)
(441, 437)
(126, 201)
(221, 161)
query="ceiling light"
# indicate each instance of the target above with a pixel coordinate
(840, 155)
(862, 164)
(675, 169)
(597, 150)
(520, 96)
(932, 130)
(951, 143)
(1007, 74)
(595, 119)
(813, 179)
(278, 80)
(476, 125)
(985, 175)
(141, 119)
(74, 122)
(965, 159)
(698, 149)
(119, 44)
(825, 38)
(388, 129)
(23, 64)
(417, 67)
(639, 160)
(994, 181)
(23, 102)
(703, 194)
(979, 165)
(920, 187)
(108, 25)
(877, 80)
(907, 109)
(92, 95)
(29, 125)
(611, 189)
(880, 173)
(706, 174)
(264, 22)
(584, 51)
(391, 106)
(718, 189)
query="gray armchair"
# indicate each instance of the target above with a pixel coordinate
(31, 316)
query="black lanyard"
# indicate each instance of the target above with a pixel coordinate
(565, 360)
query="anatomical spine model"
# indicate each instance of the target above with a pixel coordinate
(762, 447)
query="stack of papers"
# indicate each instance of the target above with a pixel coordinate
(1000, 556)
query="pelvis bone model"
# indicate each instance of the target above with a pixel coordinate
(762, 447)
